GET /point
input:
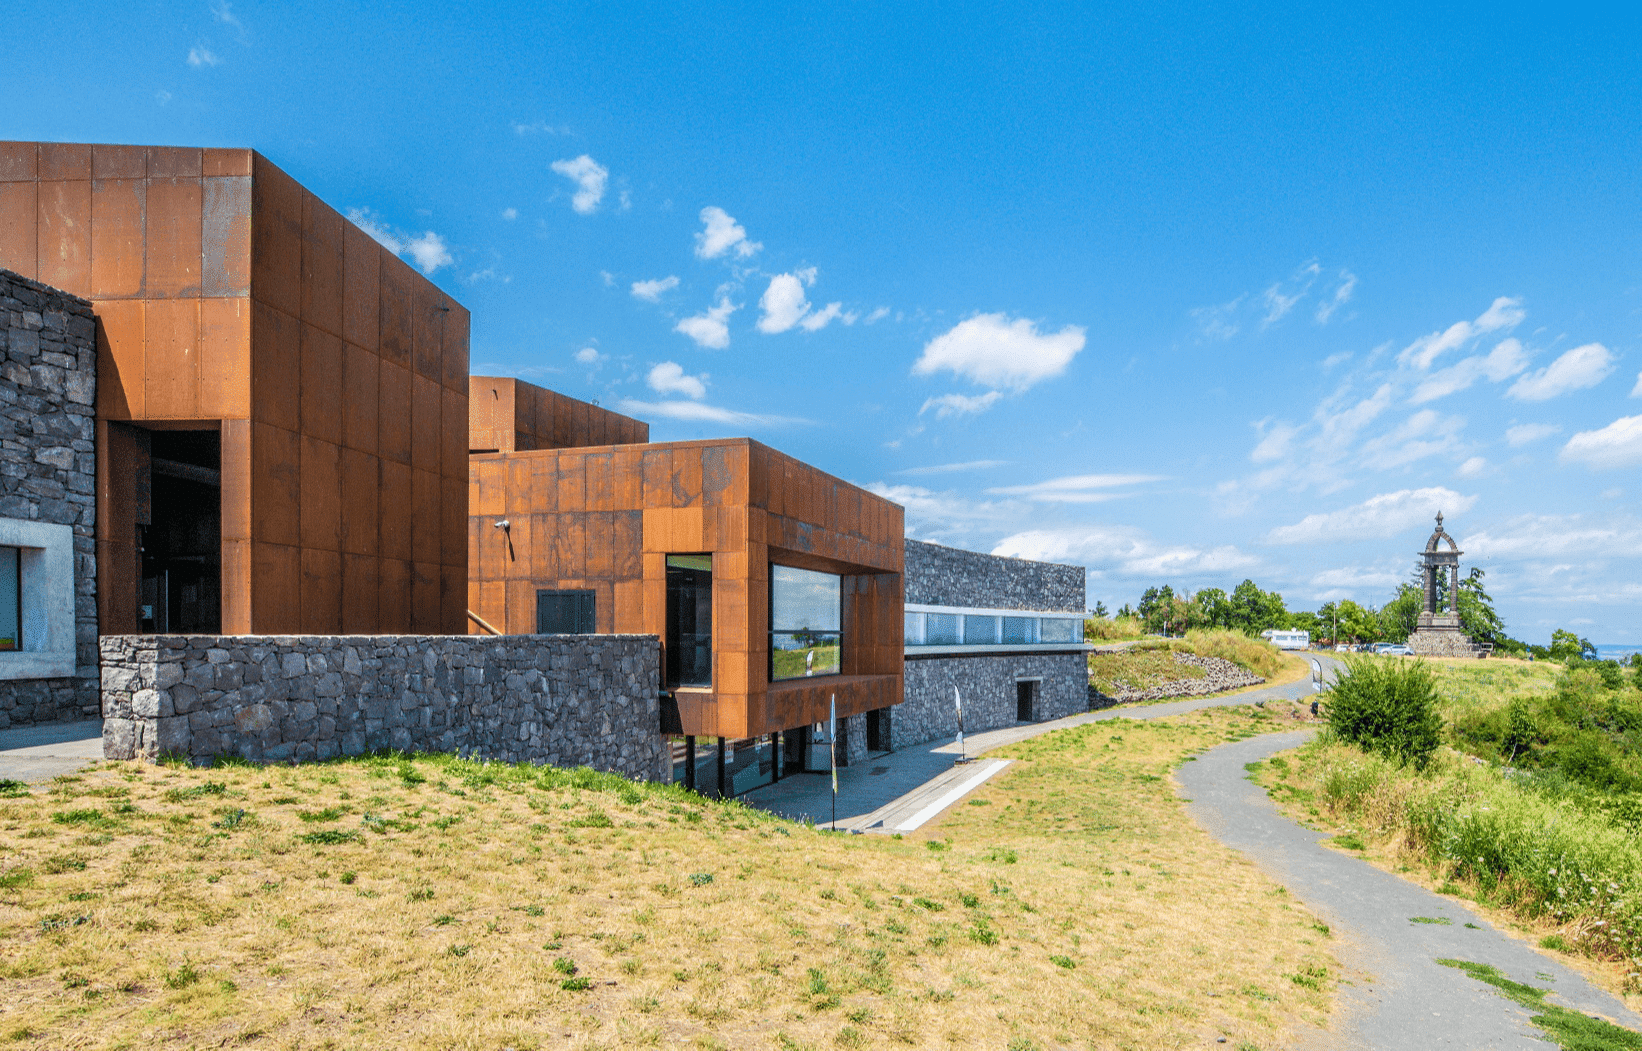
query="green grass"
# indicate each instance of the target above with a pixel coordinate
(789, 664)
(1570, 1029)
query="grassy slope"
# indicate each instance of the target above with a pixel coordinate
(442, 918)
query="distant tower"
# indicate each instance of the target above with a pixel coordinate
(1438, 633)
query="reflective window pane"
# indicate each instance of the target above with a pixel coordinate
(1059, 629)
(940, 629)
(806, 622)
(1020, 630)
(11, 625)
(915, 629)
(980, 631)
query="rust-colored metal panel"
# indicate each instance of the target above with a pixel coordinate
(65, 160)
(627, 607)
(395, 316)
(361, 584)
(183, 162)
(425, 598)
(491, 603)
(361, 289)
(394, 433)
(424, 514)
(19, 226)
(453, 434)
(569, 544)
(119, 162)
(572, 494)
(19, 161)
(225, 162)
(426, 419)
(321, 592)
(120, 349)
(321, 495)
(453, 514)
(172, 246)
(117, 557)
(453, 594)
(428, 312)
(117, 225)
(225, 235)
(321, 265)
(235, 457)
(544, 483)
(171, 357)
(627, 546)
(487, 487)
(276, 589)
(394, 597)
(454, 353)
(276, 485)
(63, 240)
(361, 477)
(276, 238)
(657, 468)
(687, 476)
(321, 399)
(598, 486)
(225, 358)
(359, 398)
(394, 509)
(276, 367)
(236, 587)
(601, 538)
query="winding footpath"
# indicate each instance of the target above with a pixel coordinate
(1400, 997)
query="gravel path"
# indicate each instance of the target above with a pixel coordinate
(1401, 998)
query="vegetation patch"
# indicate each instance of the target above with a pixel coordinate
(1570, 1029)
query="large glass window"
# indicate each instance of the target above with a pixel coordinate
(1020, 629)
(565, 613)
(914, 634)
(11, 599)
(941, 629)
(689, 620)
(806, 623)
(980, 630)
(1060, 629)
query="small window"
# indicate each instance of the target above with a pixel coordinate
(914, 629)
(565, 613)
(11, 598)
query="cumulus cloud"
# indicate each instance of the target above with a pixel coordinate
(722, 234)
(1126, 551)
(590, 178)
(1579, 368)
(992, 350)
(784, 302)
(697, 412)
(589, 356)
(203, 56)
(1503, 313)
(1075, 489)
(960, 404)
(669, 377)
(651, 291)
(1426, 433)
(1473, 467)
(1275, 439)
(1557, 536)
(710, 329)
(1619, 444)
(1504, 361)
(1375, 518)
(1342, 295)
(428, 250)
(1524, 433)
(816, 320)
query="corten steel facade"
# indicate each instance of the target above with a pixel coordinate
(506, 415)
(604, 519)
(328, 378)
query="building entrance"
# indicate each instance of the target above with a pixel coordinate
(1026, 701)
(179, 587)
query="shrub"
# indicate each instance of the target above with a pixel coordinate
(1388, 707)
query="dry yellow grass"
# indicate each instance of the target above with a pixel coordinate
(432, 903)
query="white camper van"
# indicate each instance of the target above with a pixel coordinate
(1287, 640)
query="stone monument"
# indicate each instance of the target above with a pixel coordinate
(1438, 633)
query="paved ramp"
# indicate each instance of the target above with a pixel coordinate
(40, 753)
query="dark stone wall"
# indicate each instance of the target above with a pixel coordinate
(950, 576)
(563, 700)
(48, 467)
(988, 687)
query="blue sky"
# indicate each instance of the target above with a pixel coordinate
(1181, 295)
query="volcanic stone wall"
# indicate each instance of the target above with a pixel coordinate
(987, 684)
(950, 576)
(563, 700)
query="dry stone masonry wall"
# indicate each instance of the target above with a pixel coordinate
(949, 576)
(563, 700)
(988, 687)
(48, 468)
(1220, 675)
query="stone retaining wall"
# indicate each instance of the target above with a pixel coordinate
(1220, 675)
(1445, 644)
(563, 700)
(950, 576)
(988, 687)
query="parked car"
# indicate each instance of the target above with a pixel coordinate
(1397, 649)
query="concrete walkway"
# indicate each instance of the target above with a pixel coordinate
(887, 792)
(1407, 1001)
(40, 753)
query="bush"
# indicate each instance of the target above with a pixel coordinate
(1388, 707)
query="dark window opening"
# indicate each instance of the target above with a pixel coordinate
(565, 613)
(11, 598)
(180, 585)
(689, 639)
(878, 722)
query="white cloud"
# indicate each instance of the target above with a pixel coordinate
(722, 234)
(1619, 444)
(1523, 433)
(224, 12)
(1377, 517)
(1218, 322)
(1553, 536)
(1579, 368)
(1277, 304)
(883, 312)
(818, 319)
(590, 178)
(1355, 577)
(510, 214)
(1636, 391)
(1342, 296)
(203, 56)
(589, 356)
(1075, 489)
(784, 302)
(710, 329)
(669, 377)
(994, 351)
(1126, 551)
(1503, 313)
(960, 404)
(540, 127)
(696, 412)
(1423, 434)
(1504, 361)
(428, 251)
(948, 468)
(1473, 467)
(651, 291)
(1274, 441)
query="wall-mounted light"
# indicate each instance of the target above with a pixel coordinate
(502, 523)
